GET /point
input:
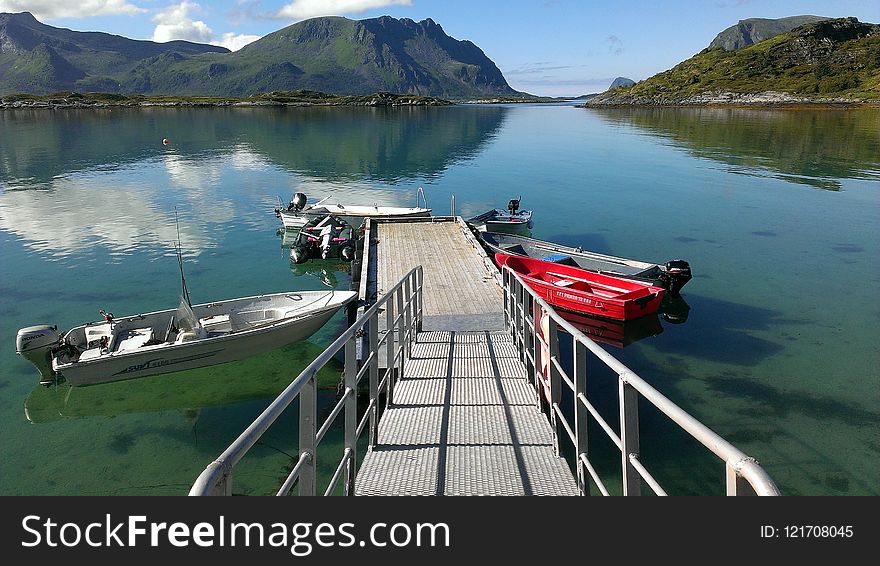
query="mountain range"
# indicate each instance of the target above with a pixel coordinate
(328, 54)
(795, 59)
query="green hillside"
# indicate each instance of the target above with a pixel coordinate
(40, 59)
(832, 60)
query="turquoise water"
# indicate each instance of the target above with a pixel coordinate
(777, 212)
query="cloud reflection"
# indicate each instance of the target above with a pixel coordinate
(78, 214)
(131, 210)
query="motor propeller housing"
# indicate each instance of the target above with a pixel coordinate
(37, 344)
(298, 202)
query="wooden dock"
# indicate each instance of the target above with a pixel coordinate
(464, 419)
(461, 289)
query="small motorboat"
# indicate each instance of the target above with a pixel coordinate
(578, 290)
(672, 276)
(511, 220)
(298, 213)
(188, 337)
(324, 237)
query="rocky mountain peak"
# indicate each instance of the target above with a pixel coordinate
(755, 30)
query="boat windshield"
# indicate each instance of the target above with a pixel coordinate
(186, 318)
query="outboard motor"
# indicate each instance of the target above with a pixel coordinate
(37, 344)
(513, 206)
(677, 273)
(298, 202)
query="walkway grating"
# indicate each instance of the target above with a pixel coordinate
(464, 422)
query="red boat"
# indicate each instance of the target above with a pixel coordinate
(573, 289)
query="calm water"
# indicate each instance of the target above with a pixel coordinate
(777, 212)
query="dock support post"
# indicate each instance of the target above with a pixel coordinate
(505, 279)
(420, 300)
(581, 415)
(629, 436)
(389, 351)
(554, 377)
(351, 413)
(308, 411)
(736, 484)
(373, 334)
(523, 320)
(401, 332)
(533, 364)
(407, 319)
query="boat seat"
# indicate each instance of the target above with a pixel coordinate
(190, 335)
(216, 323)
(90, 354)
(133, 339)
(95, 332)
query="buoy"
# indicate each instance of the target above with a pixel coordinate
(164, 141)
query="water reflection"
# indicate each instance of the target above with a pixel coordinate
(258, 377)
(77, 180)
(614, 332)
(386, 145)
(324, 270)
(77, 214)
(813, 148)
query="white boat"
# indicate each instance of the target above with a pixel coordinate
(130, 347)
(298, 213)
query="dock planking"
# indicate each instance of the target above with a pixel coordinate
(461, 289)
(464, 418)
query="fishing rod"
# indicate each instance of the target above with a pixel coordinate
(178, 248)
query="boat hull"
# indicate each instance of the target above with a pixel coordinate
(583, 291)
(671, 279)
(353, 215)
(165, 358)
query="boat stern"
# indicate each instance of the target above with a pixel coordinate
(676, 273)
(37, 344)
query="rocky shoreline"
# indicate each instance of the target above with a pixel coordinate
(379, 100)
(726, 98)
(90, 100)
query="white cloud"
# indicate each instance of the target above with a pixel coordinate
(234, 42)
(53, 9)
(175, 23)
(303, 9)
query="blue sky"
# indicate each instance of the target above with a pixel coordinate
(544, 47)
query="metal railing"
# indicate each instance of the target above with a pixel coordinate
(403, 319)
(535, 326)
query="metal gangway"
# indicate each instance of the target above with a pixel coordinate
(535, 328)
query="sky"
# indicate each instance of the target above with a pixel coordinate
(543, 47)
